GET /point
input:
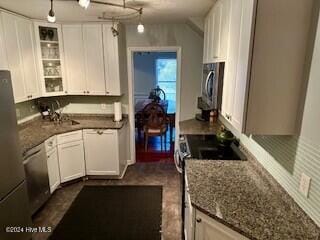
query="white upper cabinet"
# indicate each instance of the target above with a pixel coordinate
(216, 32)
(3, 55)
(113, 57)
(28, 53)
(19, 46)
(93, 52)
(74, 58)
(263, 83)
(50, 58)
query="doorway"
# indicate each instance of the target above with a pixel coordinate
(154, 78)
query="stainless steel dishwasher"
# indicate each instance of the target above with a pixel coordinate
(35, 166)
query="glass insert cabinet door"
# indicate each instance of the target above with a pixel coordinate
(51, 58)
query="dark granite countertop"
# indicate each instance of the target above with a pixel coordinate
(193, 126)
(36, 131)
(246, 198)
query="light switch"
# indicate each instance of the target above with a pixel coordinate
(305, 184)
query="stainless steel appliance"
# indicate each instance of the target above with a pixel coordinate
(14, 207)
(35, 166)
(211, 89)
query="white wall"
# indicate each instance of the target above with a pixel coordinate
(191, 64)
(287, 157)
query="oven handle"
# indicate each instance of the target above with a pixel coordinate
(176, 161)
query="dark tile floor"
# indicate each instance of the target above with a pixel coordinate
(159, 173)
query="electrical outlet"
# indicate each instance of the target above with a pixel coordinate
(304, 184)
(103, 106)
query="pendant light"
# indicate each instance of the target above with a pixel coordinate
(140, 26)
(51, 17)
(84, 3)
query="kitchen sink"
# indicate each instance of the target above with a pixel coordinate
(48, 124)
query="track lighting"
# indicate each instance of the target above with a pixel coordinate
(140, 26)
(84, 3)
(51, 17)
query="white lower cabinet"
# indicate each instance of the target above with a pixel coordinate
(103, 154)
(71, 160)
(53, 169)
(206, 228)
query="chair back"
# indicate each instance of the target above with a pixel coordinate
(156, 93)
(154, 116)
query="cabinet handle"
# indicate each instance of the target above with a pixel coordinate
(107, 92)
(198, 220)
(100, 132)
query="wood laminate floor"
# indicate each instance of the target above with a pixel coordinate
(159, 173)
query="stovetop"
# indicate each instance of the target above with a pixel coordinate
(207, 147)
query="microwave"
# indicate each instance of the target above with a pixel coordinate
(211, 86)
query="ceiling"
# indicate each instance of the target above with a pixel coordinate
(155, 11)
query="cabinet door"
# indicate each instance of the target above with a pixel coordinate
(14, 56)
(243, 64)
(94, 62)
(53, 169)
(209, 229)
(232, 60)
(3, 54)
(101, 152)
(71, 161)
(224, 32)
(111, 57)
(216, 29)
(74, 57)
(206, 40)
(29, 62)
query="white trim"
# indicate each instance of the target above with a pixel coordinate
(130, 52)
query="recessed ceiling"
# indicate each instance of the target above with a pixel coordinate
(155, 11)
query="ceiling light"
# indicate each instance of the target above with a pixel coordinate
(84, 3)
(51, 17)
(140, 27)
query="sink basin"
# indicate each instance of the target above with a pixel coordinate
(70, 122)
(217, 153)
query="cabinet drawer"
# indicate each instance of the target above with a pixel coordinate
(50, 143)
(69, 137)
(99, 131)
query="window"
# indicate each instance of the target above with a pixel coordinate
(166, 72)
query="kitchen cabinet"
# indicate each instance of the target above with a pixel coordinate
(263, 85)
(74, 58)
(115, 59)
(84, 59)
(20, 52)
(71, 156)
(207, 228)
(189, 212)
(216, 32)
(53, 169)
(49, 47)
(3, 55)
(103, 152)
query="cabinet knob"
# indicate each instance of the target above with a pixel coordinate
(100, 132)
(199, 220)
(88, 91)
(66, 92)
(107, 92)
(84, 92)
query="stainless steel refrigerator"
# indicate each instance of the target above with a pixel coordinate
(14, 209)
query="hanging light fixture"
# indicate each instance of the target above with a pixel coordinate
(51, 17)
(84, 3)
(140, 26)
